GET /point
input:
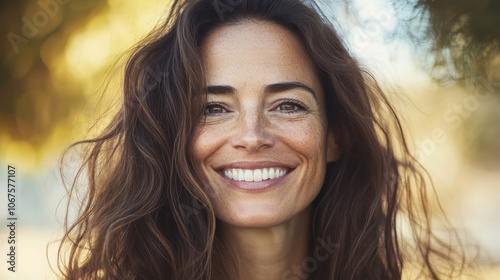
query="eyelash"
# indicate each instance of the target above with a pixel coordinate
(212, 105)
(300, 107)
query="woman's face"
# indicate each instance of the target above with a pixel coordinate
(263, 143)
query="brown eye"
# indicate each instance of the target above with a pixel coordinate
(291, 106)
(214, 109)
(287, 107)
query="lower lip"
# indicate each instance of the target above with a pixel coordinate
(255, 186)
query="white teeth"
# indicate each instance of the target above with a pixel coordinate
(271, 173)
(257, 175)
(254, 175)
(248, 175)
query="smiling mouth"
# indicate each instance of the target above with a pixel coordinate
(255, 175)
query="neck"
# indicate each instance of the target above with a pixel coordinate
(270, 253)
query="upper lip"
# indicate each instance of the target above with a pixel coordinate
(254, 165)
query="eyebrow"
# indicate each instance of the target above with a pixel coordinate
(272, 88)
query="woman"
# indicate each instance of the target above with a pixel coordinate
(250, 145)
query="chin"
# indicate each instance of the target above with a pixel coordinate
(253, 218)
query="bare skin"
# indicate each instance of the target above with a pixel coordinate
(265, 111)
(270, 253)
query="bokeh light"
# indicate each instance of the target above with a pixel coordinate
(61, 70)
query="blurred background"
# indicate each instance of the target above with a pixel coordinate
(60, 73)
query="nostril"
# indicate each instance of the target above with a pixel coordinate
(253, 139)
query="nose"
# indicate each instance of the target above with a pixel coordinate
(252, 133)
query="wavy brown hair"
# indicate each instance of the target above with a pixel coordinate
(146, 214)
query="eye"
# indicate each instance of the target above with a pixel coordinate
(214, 109)
(291, 106)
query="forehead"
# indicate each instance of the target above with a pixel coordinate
(263, 49)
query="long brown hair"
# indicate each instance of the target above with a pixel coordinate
(146, 214)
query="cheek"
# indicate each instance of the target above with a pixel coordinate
(307, 137)
(204, 142)
(209, 140)
(308, 141)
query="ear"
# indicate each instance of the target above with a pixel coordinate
(332, 149)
